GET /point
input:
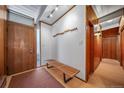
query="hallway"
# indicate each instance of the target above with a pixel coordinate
(82, 51)
(108, 74)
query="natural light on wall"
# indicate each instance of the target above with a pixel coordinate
(70, 20)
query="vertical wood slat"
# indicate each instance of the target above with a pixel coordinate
(3, 16)
(97, 50)
(111, 43)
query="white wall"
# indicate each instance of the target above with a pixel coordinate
(47, 44)
(70, 47)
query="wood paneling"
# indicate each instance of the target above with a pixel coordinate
(91, 19)
(111, 44)
(3, 15)
(1, 47)
(21, 47)
(121, 29)
(110, 47)
(97, 50)
(110, 32)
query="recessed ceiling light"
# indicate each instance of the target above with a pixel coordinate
(109, 21)
(51, 15)
(56, 8)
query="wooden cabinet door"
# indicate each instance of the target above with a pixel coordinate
(21, 48)
(110, 47)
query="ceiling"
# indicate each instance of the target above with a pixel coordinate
(35, 10)
(102, 10)
(62, 9)
(29, 10)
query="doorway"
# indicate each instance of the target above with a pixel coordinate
(38, 39)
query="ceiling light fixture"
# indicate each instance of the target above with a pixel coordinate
(109, 21)
(51, 15)
(56, 8)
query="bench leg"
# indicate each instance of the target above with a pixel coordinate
(49, 66)
(66, 79)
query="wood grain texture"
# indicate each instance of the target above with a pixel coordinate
(21, 47)
(3, 16)
(97, 50)
(70, 71)
(110, 32)
(37, 78)
(91, 19)
(1, 47)
(111, 45)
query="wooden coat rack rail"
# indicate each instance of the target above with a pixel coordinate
(69, 30)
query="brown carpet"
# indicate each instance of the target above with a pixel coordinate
(38, 78)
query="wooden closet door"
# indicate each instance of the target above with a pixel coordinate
(110, 47)
(114, 42)
(21, 48)
(105, 47)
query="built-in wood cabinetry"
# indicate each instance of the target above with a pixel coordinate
(91, 19)
(111, 43)
(3, 16)
(97, 49)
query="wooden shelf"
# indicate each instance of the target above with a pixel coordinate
(69, 30)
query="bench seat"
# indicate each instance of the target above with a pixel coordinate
(67, 70)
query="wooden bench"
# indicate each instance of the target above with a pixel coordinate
(67, 70)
